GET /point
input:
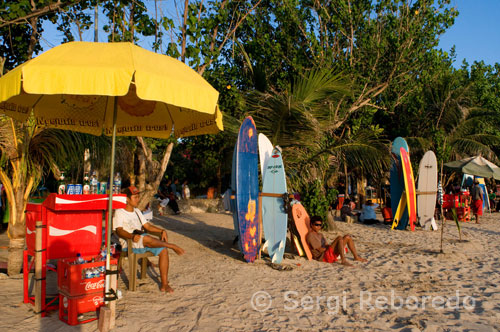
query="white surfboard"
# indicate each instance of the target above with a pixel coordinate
(265, 151)
(427, 190)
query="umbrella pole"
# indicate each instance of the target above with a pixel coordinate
(110, 201)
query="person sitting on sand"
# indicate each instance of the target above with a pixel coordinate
(368, 216)
(167, 197)
(346, 211)
(330, 253)
(128, 224)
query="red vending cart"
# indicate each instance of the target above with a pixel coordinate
(71, 224)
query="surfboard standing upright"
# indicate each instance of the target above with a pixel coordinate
(247, 189)
(274, 216)
(265, 151)
(398, 185)
(427, 190)
(410, 192)
(302, 224)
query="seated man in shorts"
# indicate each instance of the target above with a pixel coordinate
(128, 224)
(330, 253)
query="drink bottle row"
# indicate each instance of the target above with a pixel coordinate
(96, 271)
(90, 185)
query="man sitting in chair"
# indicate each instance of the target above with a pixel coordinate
(128, 224)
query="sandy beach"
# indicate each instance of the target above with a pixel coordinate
(405, 286)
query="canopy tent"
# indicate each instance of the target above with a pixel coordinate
(477, 166)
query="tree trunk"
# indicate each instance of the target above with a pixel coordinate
(150, 188)
(16, 233)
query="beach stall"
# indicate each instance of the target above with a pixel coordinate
(65, 227)
(112, 89)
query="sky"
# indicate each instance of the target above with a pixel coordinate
(475, 34)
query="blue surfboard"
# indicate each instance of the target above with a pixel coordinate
(397, 180)
(274, 216)
(247, 189)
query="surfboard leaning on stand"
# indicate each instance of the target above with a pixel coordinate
(274, 214)
(245, 185)
(397, 184)
(411, 198)
(427, 191)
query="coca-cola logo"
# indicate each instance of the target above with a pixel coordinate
(94, 285)
(97, 300)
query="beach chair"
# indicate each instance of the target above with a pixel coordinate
(133, 260)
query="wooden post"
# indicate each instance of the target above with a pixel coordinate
(104, 319)
(112, 304)
(38, 267)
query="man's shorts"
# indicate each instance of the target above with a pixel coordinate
(477, 207)
(330, 257)
(142, 249)
(155, 251)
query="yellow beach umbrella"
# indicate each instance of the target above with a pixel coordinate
(112, 89)
(74, 86)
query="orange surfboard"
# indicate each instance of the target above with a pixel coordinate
(302, 224)
(411, 195)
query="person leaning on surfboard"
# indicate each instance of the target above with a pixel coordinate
(333, 252)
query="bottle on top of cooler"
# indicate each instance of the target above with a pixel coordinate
(86, 183)
(117, 183)
(94, 184)
(61, 190)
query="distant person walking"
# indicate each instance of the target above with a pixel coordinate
(477, 200)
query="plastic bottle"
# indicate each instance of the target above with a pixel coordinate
(94, 184)
(117, 183)
(88, 274)
(61, 190)
(103, 254)
(86, 183)
(79, 259)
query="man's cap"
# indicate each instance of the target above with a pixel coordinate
(132, 190)
(476, 181)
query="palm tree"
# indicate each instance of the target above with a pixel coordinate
(306, 122)
(457, 127)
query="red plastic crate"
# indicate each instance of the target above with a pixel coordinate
(70, 278)
(71, 307)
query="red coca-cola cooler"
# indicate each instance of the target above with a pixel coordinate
(71, 224)
(75, 310)
(72, 279)
(80, 293)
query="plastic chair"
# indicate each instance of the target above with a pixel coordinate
(133, 260)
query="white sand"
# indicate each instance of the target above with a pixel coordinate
(214, 287)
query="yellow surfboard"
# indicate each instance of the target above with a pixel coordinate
(399, 212)
(298, 246)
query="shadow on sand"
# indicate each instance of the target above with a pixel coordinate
(216, 238)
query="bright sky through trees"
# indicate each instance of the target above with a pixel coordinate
(475, 33)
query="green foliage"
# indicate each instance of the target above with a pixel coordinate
(455, 218)
(315, 201)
